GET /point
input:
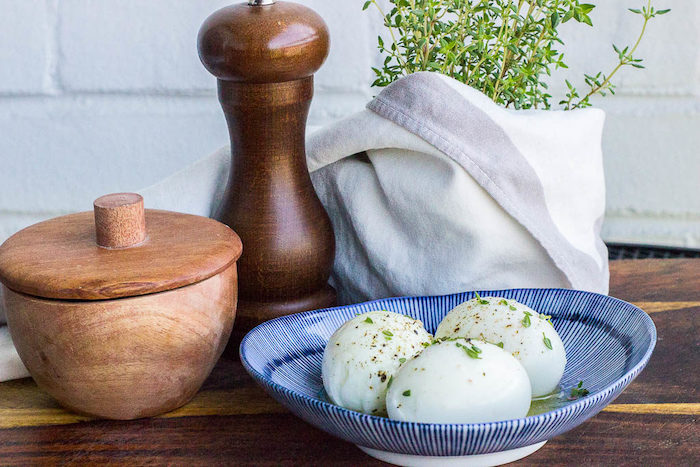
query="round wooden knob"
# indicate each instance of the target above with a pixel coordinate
(120, 220)
(263, 42)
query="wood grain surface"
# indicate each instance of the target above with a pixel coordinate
(264, 58)
(232, 422)
(60, 259)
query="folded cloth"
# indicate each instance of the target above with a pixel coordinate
(435, 189)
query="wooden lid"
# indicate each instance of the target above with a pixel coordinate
(119, 250)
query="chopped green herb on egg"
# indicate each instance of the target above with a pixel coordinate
(480, 300)
(472, 352)
(547, 342)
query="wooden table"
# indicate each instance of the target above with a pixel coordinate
(232, 421)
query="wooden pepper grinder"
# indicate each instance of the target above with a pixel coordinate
(264, 54)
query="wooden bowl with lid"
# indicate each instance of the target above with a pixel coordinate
(121, 313)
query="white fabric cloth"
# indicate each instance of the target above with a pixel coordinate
(457, 193)
(11, 366)
(435, 189)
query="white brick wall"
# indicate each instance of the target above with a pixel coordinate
(25, 45)
(99, 96)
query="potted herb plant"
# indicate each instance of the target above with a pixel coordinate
(465, 172)
(504, 48)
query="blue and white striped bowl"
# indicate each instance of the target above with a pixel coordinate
(608, 342)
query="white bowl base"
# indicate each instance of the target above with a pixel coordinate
(476, 460)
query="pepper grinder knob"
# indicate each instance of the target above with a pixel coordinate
(263, 41)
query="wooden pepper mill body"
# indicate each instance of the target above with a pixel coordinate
(264, 56)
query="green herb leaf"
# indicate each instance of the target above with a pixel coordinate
(407, 393)
(547, 318)
(503, 302)
(472, 351)
(391, 380)
(547, 342)
(512, 308)
(402, 360)
(526, 319)
(369, 320)
(500, 344)
(578, 391)
(387, 333)
(479, 300)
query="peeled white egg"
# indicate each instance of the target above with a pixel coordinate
(459, 381)
(364, 353)
(527, 335)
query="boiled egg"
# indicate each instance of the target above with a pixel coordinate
(459, 381)
(364, 353)
(527, 335)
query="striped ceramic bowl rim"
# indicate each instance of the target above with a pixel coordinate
(588, 323)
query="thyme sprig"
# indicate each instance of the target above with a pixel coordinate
(504, 48)
(600, 83)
